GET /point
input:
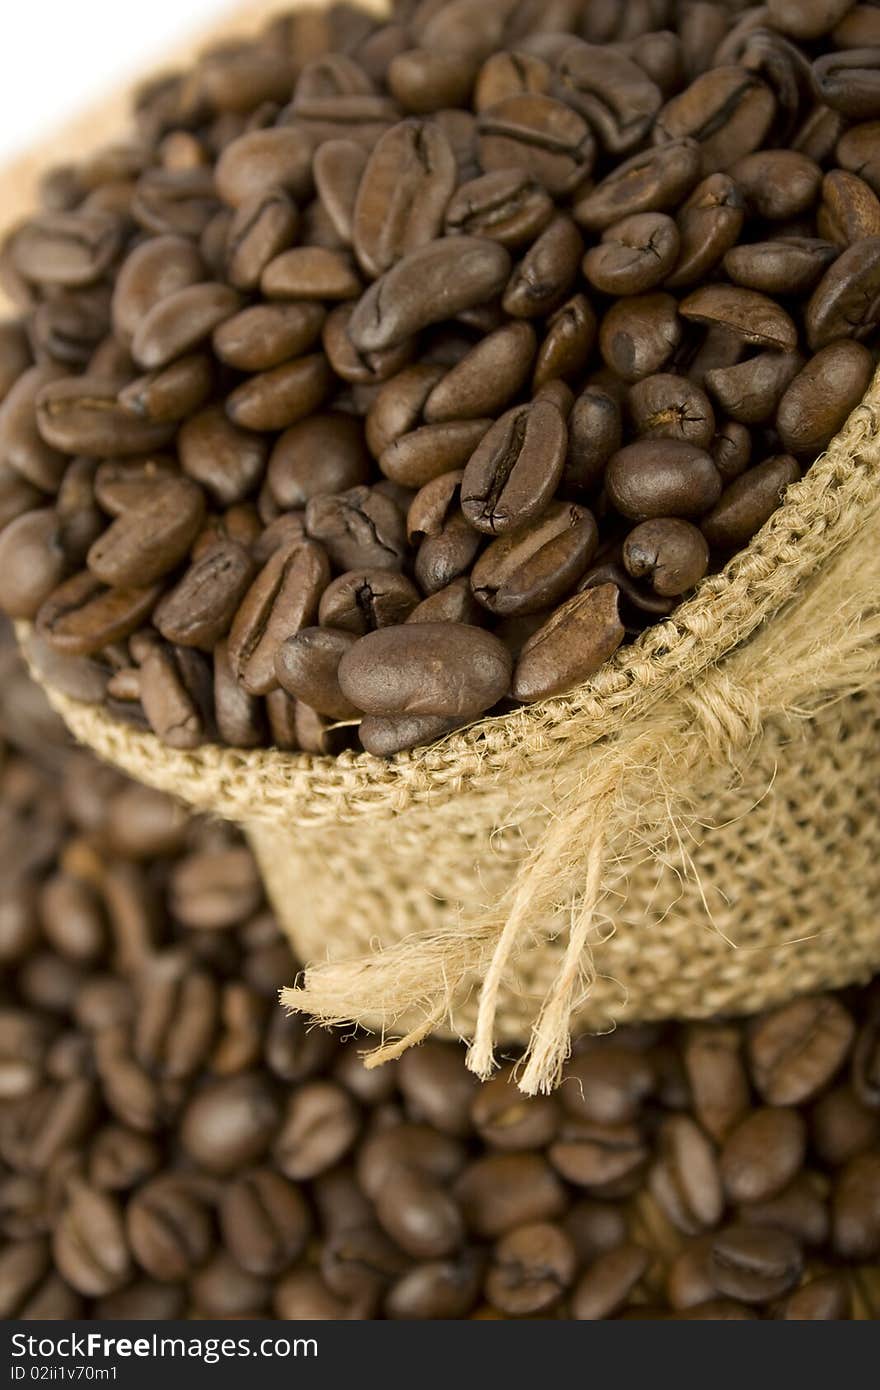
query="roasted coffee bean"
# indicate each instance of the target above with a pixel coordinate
(310, 272)
(82, 616)
(595, 432)
(307, 666)
(359, 528)
(323, 454)
(226, 460)
(406, 185)
(151, 537)
(570, 647)
(728, 110)
(277, 398)
(762, 1154)
(180, 321)
(751, 391)
(531, 1269)
(66, 248)
(360, 601)
(500, 1192)
(672, 555)
(160, 266)
(436, 1289)
(671, 407)
(855, 1209)
(281, 600)
(563, 355)
(265, 1222)
(15, 355)
(260, 160)
(535, 566)
(858, 151)
(265, 335)
(842, 1126)
(34, 459)
(426, 453)
(614, 93)
(261, 228)
(508, 1121)
(546, 273)
(786, 265)
(653, 181)
(320, 1126)
(434, 282)
(634, 255)
(749, 501)
(32, 562)
(605, 1287)
(686, 1181)
(486, 378)
(539, 134)
(508, 205)
(170, 393)
(89, 1244)
(778, 184)
(751, 316)
(850, 208)
(385, 735)
(709, 223)
(754, 1265)
(849, 82)
(846, 301)
(638, 335)
(795, 1051)
(821, 396)
(435, 1089)
(229, 1123)
(662, 477)
(514, 472)
(169, 1228)
(79, 415)
(417, 670)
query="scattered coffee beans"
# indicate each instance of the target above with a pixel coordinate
(172, 1145)
(373, 339)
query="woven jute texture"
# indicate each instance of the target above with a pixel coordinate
(695, 831)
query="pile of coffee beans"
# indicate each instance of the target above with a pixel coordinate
(396, 373)
(172, 1144)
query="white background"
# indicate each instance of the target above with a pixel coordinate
(61, 55)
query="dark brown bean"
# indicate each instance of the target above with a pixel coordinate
(417, 668)
(578, 638)
(661, 477)
(529, 569)
(749, 501)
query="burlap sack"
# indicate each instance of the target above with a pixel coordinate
(695, 831)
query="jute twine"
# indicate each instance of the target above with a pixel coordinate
(695, 831)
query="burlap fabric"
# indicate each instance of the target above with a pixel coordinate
(695, 831)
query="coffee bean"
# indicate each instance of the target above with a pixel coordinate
(531, 1269)
(89, 1244)
(360, 601)
(310, 272)
(307, 667)
(82, 416)
(261, 228)
(32, 562)
(169, 1228)
(749, 501)
(417, 669)
(406, 185)
(430, 284)
(265, 1222)
(845, 303)
(508, 205)
(850, 208)
(546, 273)
(360, 528)
(383, 735)
(821, 396)
(777, 184)
(855, 1209)
(274, 399)
(848, 82)
(229, 1123)
(653, 181)
(728, 111)
(751, 391)
(671, 554)
(281, 600)
(613, 93)
(260, 160)
(638, 335)
(605, 1287)
(795, 1051)
(671, 407)
(81, 616)
(634, 254)
(486, 378)
(508, 1121)
(424, 454)
(570, 647)
(66, 248)
(500, 1192)
(321, 1124)
(709, 223)
(160, 266)
(151, 537)
(536, 565)
(539, 134)
(762, 1154)
(661, 477)
(753, 1265)
(265, 335)
(323, 454)
(514, 472)
(170, 393)
(751, 316)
